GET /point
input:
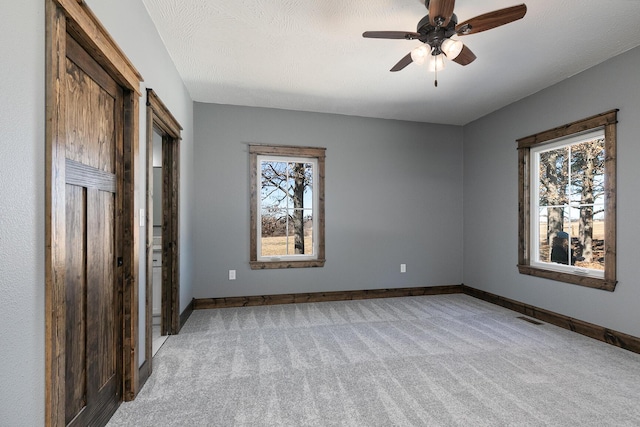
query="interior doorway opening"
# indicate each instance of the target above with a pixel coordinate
(162, 313)
(159, 331)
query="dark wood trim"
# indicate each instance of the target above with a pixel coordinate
(524, 209)
(162, 116)
(286, 150)
(607, 121)
(131, 231)
(320, 207)
(611, 201)
(91, 34)
(253, 209)
(318, 153)
(186, 313)
(609, 336)
(257, 300)
(55, 225)
(171, 234)
(265, 265)
(593, 122)
(590, 282)
(148, 315)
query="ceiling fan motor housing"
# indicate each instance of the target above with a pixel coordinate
(435, 35)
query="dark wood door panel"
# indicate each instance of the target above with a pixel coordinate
(101, 293)
(86, 63)
(75, 294)
(90, 136)
(93, 298)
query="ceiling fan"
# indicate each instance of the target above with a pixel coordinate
(436, 30)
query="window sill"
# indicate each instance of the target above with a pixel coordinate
(576, 279)
(263, 265)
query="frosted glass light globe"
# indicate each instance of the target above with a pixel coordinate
(420, 54)
(436, 62)
(452, 48)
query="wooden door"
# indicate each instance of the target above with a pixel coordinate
(93, 114)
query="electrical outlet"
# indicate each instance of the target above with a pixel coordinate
(232, 275)
(403, 268)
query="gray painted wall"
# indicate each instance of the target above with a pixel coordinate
(22, 213)
(393, 195)
(22, 183)
(491, 195)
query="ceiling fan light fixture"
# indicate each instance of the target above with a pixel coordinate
(420, 54)
(452, 48)
(436, 62)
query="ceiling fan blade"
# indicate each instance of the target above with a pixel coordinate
(403, 63)
(407, 35)
(442, 9)
(465, 57)
(491, 20)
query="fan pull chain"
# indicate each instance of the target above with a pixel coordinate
(435, 82)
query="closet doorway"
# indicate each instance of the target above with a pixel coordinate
(159, 334)
(162, 243)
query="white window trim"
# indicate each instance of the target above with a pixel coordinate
(294, 257)
(535, 207)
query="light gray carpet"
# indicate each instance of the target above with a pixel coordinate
(448, 360)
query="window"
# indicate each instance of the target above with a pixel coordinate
(567, 200)
(287, 206)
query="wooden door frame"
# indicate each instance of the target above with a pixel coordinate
(160, 118)
(76, 19)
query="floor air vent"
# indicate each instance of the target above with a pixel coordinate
(526, 319)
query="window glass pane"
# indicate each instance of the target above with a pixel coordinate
(551, 221)
(544, 248)
(274, 190)
(300, 184)
(587, 171)
(570, 184)
(286, 208)
(554, 176)
(588, 243)
(559, 235)
(308, 231)
(274, 232)
(587, 179)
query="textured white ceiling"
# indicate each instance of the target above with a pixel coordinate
(310, 55)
